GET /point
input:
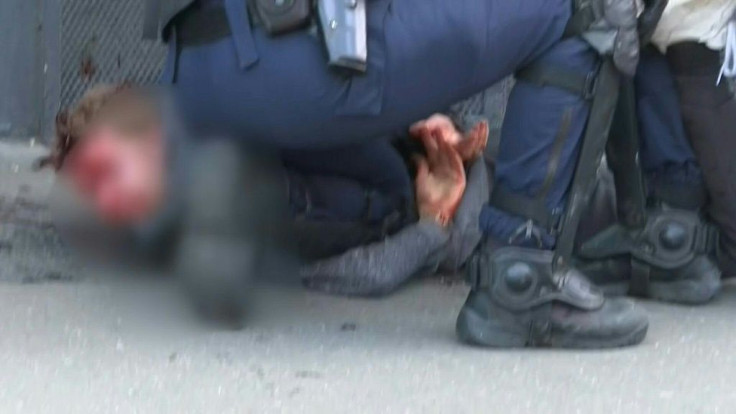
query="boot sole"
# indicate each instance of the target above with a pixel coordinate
(475, 330)
(685, 292)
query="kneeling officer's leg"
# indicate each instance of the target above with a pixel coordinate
(521, 295)
(661, 247)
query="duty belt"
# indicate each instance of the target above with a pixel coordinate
(342, 26)
(202, 26)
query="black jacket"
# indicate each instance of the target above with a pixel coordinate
(158, 14)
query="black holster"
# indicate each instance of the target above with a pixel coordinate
(282, 16)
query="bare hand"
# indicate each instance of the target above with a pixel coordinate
(469, 146)
(440, 181)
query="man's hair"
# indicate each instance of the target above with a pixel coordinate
(125, 107)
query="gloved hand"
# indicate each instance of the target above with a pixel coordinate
(614, 32)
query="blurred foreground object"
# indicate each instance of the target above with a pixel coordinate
(235, 213)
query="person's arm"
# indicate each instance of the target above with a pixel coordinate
(468, 135)
(379, 268)
(465, 233)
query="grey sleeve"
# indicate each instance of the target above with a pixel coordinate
(466, 114)
(381, 267)
(465, 234)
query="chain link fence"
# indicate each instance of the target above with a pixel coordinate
(101, 43)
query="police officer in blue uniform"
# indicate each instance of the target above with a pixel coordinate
(237, 68)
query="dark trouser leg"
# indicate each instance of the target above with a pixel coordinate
(667, 158)
(669, 254)
(333, 214)
(709, 112)
(519, 298)
(342, 198)
(540, 140)
(675, 178)
(377, 166)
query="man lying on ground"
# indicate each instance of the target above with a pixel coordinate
(115, 152)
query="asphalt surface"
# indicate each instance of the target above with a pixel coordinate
(74, 342)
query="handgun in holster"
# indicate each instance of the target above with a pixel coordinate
(344, 28)
(343, 24)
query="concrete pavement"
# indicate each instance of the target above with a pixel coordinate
(82, 348)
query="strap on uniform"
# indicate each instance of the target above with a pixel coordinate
(532, 208)
(542, 74)
(580, 21)
(640, 278)
(540, 327)
(706, 240)
(535, 208)
(602, 109)
(622, 155)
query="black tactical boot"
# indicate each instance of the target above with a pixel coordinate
(518, 300)
(670, 259)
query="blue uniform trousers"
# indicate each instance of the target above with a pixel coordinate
(538, 116)
(424, 55)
